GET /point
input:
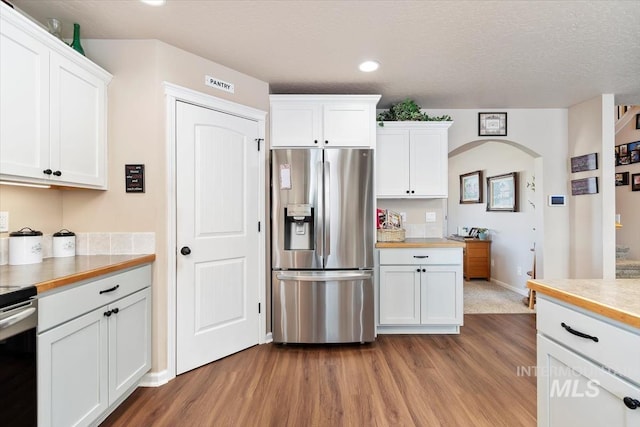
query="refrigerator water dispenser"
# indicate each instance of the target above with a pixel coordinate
(298, 227)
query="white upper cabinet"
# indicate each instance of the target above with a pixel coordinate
(412, 160)
(323, 120)
(53, 109)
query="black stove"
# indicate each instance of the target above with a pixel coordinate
(12, 294)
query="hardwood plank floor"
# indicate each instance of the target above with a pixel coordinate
(399, 380)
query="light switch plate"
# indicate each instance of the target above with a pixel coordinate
(430, 217)
(4, 222)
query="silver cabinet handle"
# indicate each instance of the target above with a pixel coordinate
(324, 278)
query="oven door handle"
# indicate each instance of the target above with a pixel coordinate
(15, 318)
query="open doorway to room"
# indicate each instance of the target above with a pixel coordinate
(627, 170)
(512, 234)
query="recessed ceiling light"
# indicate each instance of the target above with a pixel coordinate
(369, 66)
(154, 2)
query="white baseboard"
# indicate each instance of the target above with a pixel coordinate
(268, 338)
(156, 379)
(522, 291)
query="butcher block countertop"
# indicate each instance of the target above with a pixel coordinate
(422, 243)
(56, 272)
(617, 299)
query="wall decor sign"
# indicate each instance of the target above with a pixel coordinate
(502, 193)
(627, 154)
(622, 178)
(492, 124)
(588, 162)
(635, 182)
(584, 186)
(219, 84)
(134, 178)
(637, 121)
(470, 187)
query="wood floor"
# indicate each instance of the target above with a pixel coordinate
(469, 379)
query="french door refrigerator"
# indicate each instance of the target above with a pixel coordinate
(322, 245)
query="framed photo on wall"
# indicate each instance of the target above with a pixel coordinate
(470, 187)
(502, 193)
(492, 124)
(622, 178)
(635, 182)
(584, 186)
(588, 162)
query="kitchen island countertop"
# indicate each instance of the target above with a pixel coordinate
(413, 242)
(56, 272)
(617, 299)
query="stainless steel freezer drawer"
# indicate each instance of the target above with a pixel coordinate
(323, 307)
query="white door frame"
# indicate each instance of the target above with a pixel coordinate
(174, 93)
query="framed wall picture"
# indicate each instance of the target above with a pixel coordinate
(584, 186)
(622, 178)
(470, 187)
(502, 193)
(635, 182)
(492, 124)
(637, 121)
(588, 162)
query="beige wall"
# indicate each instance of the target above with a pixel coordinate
(627, 201)
(38, 208)
(136, 134)
(592, 216)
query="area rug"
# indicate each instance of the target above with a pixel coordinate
(481, 296)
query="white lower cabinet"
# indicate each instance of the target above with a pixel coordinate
(420, 290)
(88, 364)
(584, 380)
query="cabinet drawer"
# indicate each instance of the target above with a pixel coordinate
(478, 251)
(611, 338)
(74, 301)
(434, 256)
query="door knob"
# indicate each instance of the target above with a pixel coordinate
(185, 250)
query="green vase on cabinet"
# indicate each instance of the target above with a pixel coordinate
(75, 44)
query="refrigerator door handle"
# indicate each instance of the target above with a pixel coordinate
(327, 197)
(325, 277)
(319, 223)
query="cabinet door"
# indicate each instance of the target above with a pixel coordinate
(72, 372)
(348, 125)
(428, 163)
(78, 106)
(296, 124)
(392, 163)
(129, 342)
(24, 104)
(399, 298)
(441, 296)
(575, 392)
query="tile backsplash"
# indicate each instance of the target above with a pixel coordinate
(95, 244)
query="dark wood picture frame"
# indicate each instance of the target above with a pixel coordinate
(584, 186)
(492, 124)
(471, 187)
(622, 178)
(635, 182)
(637, 121)
(588, 162)
(502, 193)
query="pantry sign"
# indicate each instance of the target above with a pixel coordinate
(219, 84)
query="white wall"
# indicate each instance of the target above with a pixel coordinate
(542, 133)
(512, 233)
(627, 201)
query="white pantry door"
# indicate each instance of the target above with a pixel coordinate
(217, 235)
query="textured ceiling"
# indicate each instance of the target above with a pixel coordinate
(443, 54)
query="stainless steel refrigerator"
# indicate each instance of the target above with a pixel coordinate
(322, 245)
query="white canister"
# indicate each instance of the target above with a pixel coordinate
(64, 243)
(25, 246)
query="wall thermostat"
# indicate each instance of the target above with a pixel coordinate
(557, 200)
